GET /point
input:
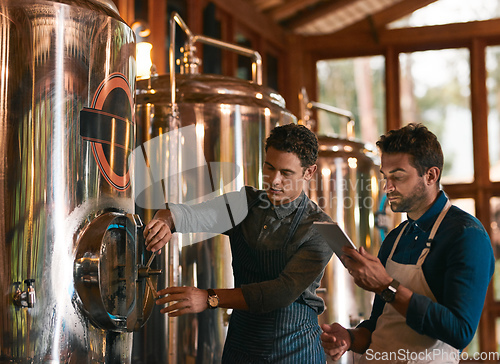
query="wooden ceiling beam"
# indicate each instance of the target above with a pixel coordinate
(290, 8)
(317, 13)
(264, 5)
(380, 19)
(247, 15)
(362, 42)
(377, 20)
(398, 11)
(436, 36)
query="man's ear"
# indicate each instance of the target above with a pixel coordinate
(309, 172)
(433, 174)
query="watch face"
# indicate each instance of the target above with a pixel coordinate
(388, 294)
(213, 301)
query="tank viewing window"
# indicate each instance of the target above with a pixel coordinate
(356, 85)
(493, 85)
(435, 90)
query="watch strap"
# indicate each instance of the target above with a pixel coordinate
(211, 292)
(389, 294)
(394, 285)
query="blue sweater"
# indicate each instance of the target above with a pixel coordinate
(458, 270)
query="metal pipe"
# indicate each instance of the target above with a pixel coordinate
(331, 109)
(193, 38)
(171, 59)
(306, 105)
(254, 55)
(337, 111)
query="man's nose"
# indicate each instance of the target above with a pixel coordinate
(276, 178)
(388, 186)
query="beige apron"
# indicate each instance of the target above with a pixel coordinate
(393, 341)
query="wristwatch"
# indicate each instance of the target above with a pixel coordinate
(389, 293)
(213, 299)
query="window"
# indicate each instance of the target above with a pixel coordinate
(355, 85)
(498, 332)
(435, 91)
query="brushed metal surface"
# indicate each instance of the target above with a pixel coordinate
(57, 58)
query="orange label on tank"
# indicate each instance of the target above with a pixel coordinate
(108, 126)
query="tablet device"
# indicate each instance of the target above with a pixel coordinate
(334, 236)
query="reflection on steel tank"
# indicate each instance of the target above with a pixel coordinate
(204, 139)
(72, 281)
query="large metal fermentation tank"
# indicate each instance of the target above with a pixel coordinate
(211, 141)
(71, 278)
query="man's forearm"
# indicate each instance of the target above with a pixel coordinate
(231, 298)
(165, 215)
(402, 300)
(360, 339)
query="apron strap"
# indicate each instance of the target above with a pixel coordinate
(434, 229)
(295, 221)
(397, 240)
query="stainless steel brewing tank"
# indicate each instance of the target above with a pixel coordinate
(347, 187)
(67, 236)
(222, 125)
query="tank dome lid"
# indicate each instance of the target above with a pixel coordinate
(203, 88)
(108, 4)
